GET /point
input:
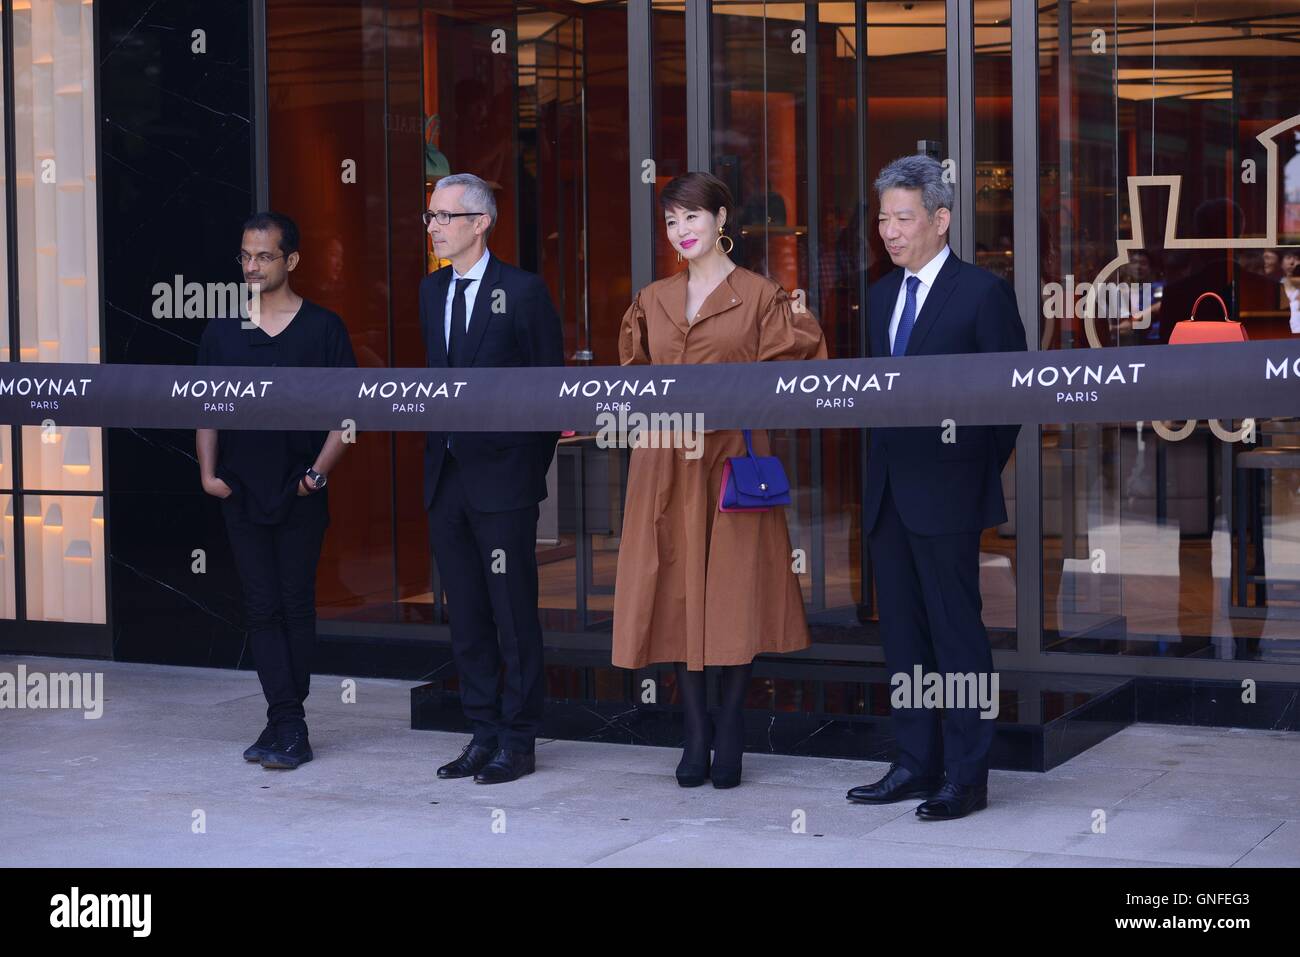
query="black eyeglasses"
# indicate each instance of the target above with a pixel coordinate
(443, 217)
(263, 259)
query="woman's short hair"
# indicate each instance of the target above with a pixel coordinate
(697, 190)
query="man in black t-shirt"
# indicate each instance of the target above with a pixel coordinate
(272, 484)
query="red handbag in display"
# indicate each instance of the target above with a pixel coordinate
(1189, 330)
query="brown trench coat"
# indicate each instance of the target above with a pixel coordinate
(695, 584)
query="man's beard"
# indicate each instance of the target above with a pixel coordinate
(265, 286)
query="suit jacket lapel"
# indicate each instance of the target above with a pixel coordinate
(879, 325)
(944, 284)
(437, 320)
(482, 309)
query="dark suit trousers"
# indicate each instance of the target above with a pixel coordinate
(928, 591)
(494, 623)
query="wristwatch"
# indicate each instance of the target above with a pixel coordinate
(318, 479)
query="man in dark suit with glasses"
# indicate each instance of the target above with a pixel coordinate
(482, 489)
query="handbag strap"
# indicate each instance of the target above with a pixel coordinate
(749, 444)
(1217, 298)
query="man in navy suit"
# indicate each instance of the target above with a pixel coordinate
(931, 491)
(482, 489)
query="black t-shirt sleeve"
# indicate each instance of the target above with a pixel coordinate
(338, 348)
(208, 345)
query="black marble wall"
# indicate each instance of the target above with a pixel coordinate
(177, 182)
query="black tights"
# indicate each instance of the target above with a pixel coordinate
(728, 737)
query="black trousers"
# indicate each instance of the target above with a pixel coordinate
(928, 591)
(277, 569)
(488, 565)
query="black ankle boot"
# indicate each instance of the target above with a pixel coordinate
(726, 775)
(728, 750)
(693, 768)
(729, 736)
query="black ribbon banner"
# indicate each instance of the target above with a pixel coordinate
(1224, 381)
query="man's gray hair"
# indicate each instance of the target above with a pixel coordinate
(477, 197)
(918, 172)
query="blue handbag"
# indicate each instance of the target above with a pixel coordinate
(752, 483)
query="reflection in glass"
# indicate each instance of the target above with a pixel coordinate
(548, 126)
(668, 46)
(993, 246)
(1147, 117)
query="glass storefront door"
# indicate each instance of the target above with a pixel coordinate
(1168, 139)
(533, 98)
(809, 102)
(1156, 539)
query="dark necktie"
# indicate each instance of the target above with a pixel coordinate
(908, 318)
(456, 347)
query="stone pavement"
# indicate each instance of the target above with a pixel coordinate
(127, 788)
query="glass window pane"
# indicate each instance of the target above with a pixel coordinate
(993, 246)
(64, 561)
(1168, 539)
(668, 56)
(54, 127)
(8, 608)
(60, 459)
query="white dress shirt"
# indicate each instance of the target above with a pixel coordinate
(927, 274)
(475, 273)
(1293, 300)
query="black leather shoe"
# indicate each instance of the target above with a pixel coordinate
(954, 801)
(471, 762)
(290, 750)
(262, 746)
(506, 766)
(898, 784)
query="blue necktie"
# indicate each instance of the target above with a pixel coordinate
(908, 318)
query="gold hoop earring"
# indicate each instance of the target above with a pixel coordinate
(717, 243)
(679, 255)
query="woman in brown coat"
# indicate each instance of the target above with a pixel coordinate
(696, 586)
